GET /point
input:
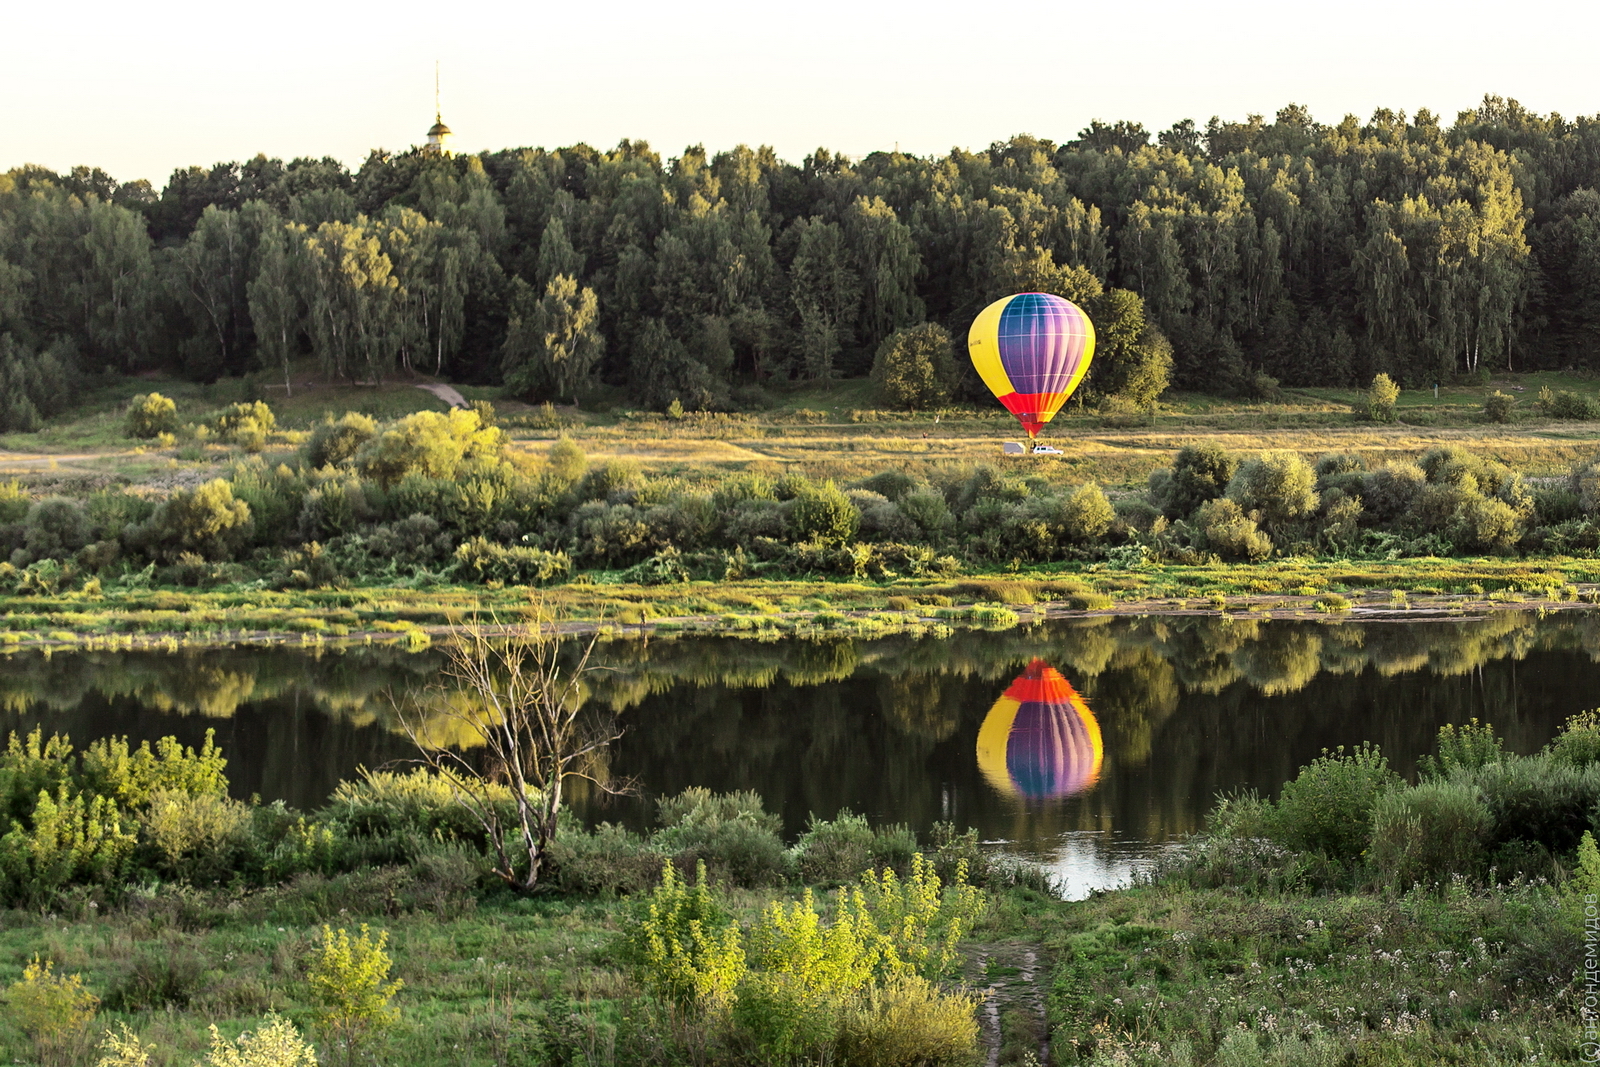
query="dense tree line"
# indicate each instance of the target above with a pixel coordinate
(1288, 250)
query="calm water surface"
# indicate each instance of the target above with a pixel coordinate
(1086, 745)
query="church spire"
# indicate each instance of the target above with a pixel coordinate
(439, 135)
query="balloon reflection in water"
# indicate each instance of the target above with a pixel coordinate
(1040, 740)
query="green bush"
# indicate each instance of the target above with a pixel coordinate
(485, 561)
(1565, 404)
(1199, 473)
(914, 368)
(730, 833)
(1497, 406)
(351, 989)
(909, 1022)
(1226, 530)
(823, 514)
(1466, 747)
(1578, 743)
(53, 1010)
(246, 423)
(192, 837)
(151, 416)
(332, 443)
(207, 521)
(1540, 800)
(611, 861)
(1279, 485)
(1382, 396)
(420, 805)
(1430, 832)
(1085, 515)
(56, 528)
(839, 849)
(431, 443)
(1328, 806)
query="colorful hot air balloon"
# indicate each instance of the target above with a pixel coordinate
(1040, 740)
(1032, 350)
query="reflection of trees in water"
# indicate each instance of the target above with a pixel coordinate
(1187, 705)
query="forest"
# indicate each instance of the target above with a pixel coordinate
(1230, 258)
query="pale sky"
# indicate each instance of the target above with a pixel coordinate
(142, 90)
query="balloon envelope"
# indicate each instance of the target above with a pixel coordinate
(1040, 740)
(1032, 350)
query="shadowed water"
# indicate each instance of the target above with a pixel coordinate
(1083, 744)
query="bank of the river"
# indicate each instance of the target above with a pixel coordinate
(1164, 974)
(1291, 588)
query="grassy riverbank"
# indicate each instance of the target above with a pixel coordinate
(1357, 919)
(821, 513)
(413, 617)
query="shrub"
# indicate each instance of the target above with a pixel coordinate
(1085, 515)
(890, 484)
(131, 777)
(123, 1049)
(1328, 806)
(1497, 406)
(1564, 404)
(685, 944)
(431, 443)
(55, 528)
(909, 1022)
(1280, 485)
(1486, 524)
(53, 1010)
(1390, 491)
(1430, 832)
(1381, 398)
(332, 443)
(1466, 747)
(914, 367)
(349, 980)
(485, 561)
(1541, 800)
(729, 832)
(150, 416)
(1226, 530)
(246, 424)
(1199, 473)
(1578, 743)
(610, 861)
(276, 1044)
(838, 850)
(420, 805)
(823, 514)
(191, 835)
(206, 520)
(566, 461)
(68, 838)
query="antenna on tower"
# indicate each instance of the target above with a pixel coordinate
(438, 116)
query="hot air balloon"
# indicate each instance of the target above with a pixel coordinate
(1032, 350)
(1040, 740)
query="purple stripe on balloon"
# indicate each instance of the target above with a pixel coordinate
(1049, 752)
(1042, 340)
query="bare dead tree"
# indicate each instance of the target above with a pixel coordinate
(511, 693)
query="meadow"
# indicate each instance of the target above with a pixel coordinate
(822, 436)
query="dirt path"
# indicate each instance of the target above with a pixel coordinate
(1013, 978)
(10, 461)
(446, 393)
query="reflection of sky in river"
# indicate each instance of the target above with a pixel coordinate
(1082, 861)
